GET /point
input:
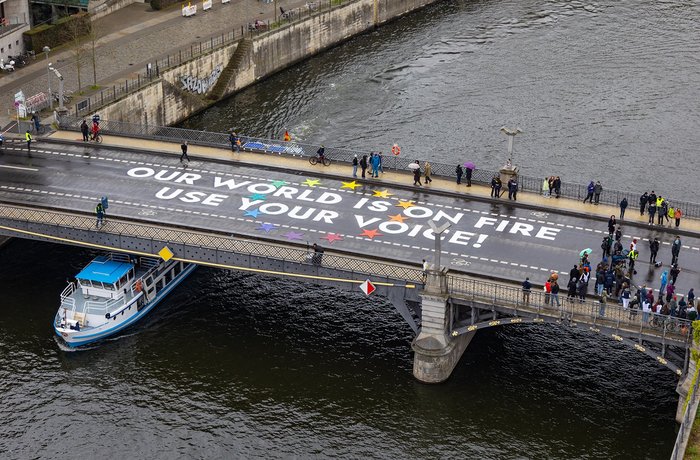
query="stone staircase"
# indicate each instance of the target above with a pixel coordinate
(242, 50)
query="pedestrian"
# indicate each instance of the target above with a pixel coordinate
(513, 189)
(618, 233)
(678, 214)
(671, 216)
(355, 163)
(653, 249)
(675, 270)
(625, 296)
(85, 129)
(606, 245)
(104, 201)
(495, 187)
(557, 186)
(670, 290)
(184, 156)
(375, 165)
(633, 255)
(469, 176)
(459, 173)
(571, 294)
(287, 137)
(691, 296)
(582, 288)
(612, 223)
(603, 303)
(643, 200)
(652, 208)
(235, 142)
(664, 283)
(623, 206)
(555, 293)
(28, 137)
(37, 123)
(363, 165)
(661, 210)
(381, 162)
(675, 250)
(428, 173)
(317, 256)
(100, 213)
(2, 141)
(547, 291)
(416, 174)
(425, 270)
(589, 192)
(527, 287)
(546, 192)
(597, 190)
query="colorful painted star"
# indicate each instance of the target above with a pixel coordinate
(294, 236)
(351, 185)
(267, 227)
(405, 204)
(311, 182)
(331, 237)
(382, 194)
(370, 233)
(252, 213)
(257, 196)
(279, 183)
(398, 218)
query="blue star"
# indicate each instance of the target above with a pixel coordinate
(266, 227)
(252, 213)
(257, 196)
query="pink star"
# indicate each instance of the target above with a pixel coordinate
(331, 237)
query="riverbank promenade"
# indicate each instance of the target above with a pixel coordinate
(632, 224)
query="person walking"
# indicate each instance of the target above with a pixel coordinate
(469, 176)
(623, 206)
(375, 165)
(495, 187)
(100, 214)
(85, 130)
(235, 141)
(633, 255)
(527, 287)
(355, 163)
(28, 137)
(597, 190)
(653, 249)
(555, 293)
(428, 173)
(677, 215)
(675, 250)
(546, 192)
(381, 162)
(104, 201)
(643, 200)
(557, 186)
(513, 189)
(37, 122)
(184, 156)
(612, 223)
(589, 192)
(363, 165)
(675, 271)
(459, 173)
(664, 283)
(416, 174)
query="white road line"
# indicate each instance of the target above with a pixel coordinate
(18, 167)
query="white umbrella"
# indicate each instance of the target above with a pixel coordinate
(413, 166)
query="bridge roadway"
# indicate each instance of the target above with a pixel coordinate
(286, 202)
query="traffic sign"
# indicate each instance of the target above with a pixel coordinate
(367, 287)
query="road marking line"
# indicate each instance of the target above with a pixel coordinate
(18, 167)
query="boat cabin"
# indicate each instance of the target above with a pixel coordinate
(106, 278)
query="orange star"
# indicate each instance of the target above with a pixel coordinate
(405, 204)
(370, 233)
(398, 218)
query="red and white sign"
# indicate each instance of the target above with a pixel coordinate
(367, 287)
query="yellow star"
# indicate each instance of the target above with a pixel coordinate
(405, 204)
(398, 218)
(351, 185)
(311, 182)
(382, 194)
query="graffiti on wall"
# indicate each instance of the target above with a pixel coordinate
(201, 85)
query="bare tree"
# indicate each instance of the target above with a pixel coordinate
(93, 35)
(76, 31)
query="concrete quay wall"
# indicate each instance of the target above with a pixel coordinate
(169, 100)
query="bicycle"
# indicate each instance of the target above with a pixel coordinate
(314, 160)
(96, 137)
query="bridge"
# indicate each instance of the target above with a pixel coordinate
(260, 213)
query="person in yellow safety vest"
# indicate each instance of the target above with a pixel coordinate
(633, 257)
(671, 215)
(28, 137)
(659, 201)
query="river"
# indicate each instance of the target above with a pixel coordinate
(235, 365)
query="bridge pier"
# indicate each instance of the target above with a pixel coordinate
(436, 352)
(684, 385)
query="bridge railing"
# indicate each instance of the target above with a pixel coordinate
(346, 155)
(183, 238)
(591, 312)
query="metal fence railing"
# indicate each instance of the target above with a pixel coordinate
(194, 239)
(689, 415)
(589, 312)
(346, 155)
(198, 48)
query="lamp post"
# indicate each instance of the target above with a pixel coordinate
(46, 51)
(511, 133)
(61, 108)
(438, 231)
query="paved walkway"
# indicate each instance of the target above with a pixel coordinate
(392, 178)
(129, 39)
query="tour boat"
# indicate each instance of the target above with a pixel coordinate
(113, 292)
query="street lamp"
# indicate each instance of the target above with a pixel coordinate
(511, 133)
(46, 51)
(61, 108)
(438, 231)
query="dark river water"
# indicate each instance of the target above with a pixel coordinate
(233, 365)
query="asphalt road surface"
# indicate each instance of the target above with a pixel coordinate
(495, 239)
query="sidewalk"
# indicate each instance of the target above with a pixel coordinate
(129, 39)
(401, 179)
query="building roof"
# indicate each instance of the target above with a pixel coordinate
(105, 271)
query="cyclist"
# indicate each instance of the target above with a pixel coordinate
(95, 130)
(321, 152)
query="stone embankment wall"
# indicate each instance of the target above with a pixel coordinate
(186, 89)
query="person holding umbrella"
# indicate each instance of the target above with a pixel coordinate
(470, 168)
(415, 166)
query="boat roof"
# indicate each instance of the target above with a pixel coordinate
(105, 271)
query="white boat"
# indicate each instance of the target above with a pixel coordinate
(113, 292)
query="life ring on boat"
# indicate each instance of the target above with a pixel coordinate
(138, 286)
(395, 149)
